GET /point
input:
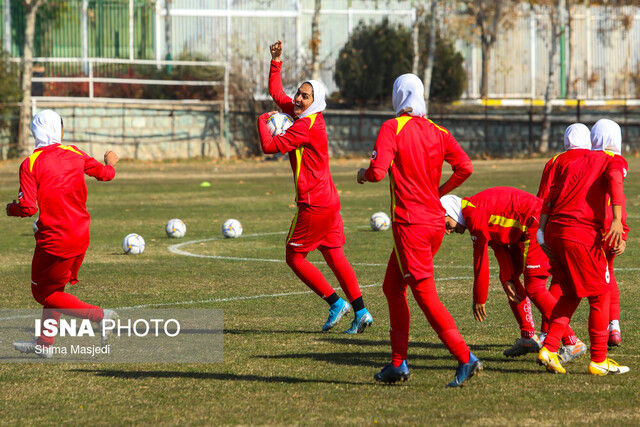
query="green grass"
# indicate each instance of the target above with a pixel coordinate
(278, 369)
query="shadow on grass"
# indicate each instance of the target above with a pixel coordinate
(112, 373)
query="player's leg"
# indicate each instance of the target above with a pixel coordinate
(308, 231)
(599, 333)
(343, 271)
(416, 245)
(615, 337)
(395, 291)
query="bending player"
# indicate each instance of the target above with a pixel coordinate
(412, 150)
(506, 219)
(317, 224)
(52, 179)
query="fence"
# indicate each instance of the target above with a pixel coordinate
(601, 55)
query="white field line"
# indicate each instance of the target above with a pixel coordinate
(239, 298)
(176, 250)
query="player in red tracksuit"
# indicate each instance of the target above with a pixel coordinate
(576, 140)
(52, 179)
(506, 219)
(606, 136)
(570, 232)
(412, 149)
(317, 224)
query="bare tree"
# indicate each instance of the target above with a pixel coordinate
(428, 69)
(315, 41)
(556, 12)
(31, 7)
(488, 16)
(415, 36)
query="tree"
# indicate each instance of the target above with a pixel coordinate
(315, 41)
(31, 7)
(375, 55)
(431, 51)
(556, 12)
(488, 16)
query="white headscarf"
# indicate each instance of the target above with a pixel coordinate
(453, 207)
(46, 128)
(408, 92)
(318, 104)
(577, 137)
(606, 135)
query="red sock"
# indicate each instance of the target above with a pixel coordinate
(343, 271)
(395, 290)
(545, 302)
(599, 325)
(308, 273)
(560, 317)
(614, 307)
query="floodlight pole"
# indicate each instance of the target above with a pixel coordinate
(131, 30)
(85, 36)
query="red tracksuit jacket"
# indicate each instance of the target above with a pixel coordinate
(52, 179)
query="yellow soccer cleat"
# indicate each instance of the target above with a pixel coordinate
(550, 360)
(608, 366)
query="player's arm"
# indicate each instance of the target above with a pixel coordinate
(546, 179)
(27, 198)
(284, 102)
(294, 137)
(101, 172)
(481, 274)
(460, 164)
(382, 155)
(615, 177)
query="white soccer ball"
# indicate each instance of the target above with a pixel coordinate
(232, 228)
(35, 226)
(133, 244)
(176, 228)
(278, 123)
(380, 221)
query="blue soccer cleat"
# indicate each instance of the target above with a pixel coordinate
(336, 311)
(361, 320)
(466, 371)
(391, 374)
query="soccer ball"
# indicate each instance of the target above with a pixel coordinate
(133, 244)
(232, 228)
(278, 123)
(175, 228)
(35, 226)
(379, 221)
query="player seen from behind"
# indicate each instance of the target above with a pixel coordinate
(52, 180)
(412, 150)
(571, 234)
(317, 223)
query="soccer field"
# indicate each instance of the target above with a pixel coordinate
(278, 367)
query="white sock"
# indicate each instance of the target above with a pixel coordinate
(614, 325)
(543, 335)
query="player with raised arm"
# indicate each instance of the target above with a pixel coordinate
(317, 223)
(412, 149)
(606, 136)
(52, 179)
(506, 220)
(570, 233)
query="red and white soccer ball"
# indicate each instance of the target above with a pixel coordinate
(133, 244)
(380, 221)
(176, 228)
(232, 228)
(278, 123)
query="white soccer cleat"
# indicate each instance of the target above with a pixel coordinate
(569, 353)
(106, 334)
(32, 347)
